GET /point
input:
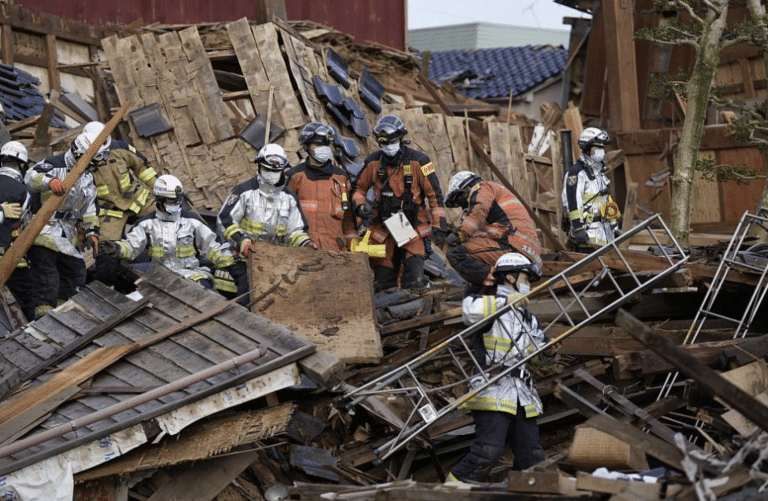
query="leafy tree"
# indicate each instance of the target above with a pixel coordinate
(705, 30)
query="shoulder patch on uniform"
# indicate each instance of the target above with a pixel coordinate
(428, 169)
(572, 180)
(232, 199)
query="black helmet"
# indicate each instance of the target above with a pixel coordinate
(388, 129)
(316, 132)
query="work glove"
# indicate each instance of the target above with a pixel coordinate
(56, 186)
(552, 350)
(109, 248)
(364, 210)
(453, 239)
(11, 210)
(580, 236)
(438, 237)
(246, 247)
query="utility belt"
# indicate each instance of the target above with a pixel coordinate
(64, 215)
(593, 219)
(519, 373)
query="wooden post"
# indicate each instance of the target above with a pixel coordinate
(487, 159)
(268, 122)
(557, 183)
(22, 244)
(52, 60)
(265, 9)
(618, 20)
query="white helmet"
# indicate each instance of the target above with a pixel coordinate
(168, 186)
(84, 141)
(14, 150)
(592, 136)
(458, 187)
(272, 157)
(512, 261)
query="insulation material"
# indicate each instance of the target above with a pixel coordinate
(175, 421)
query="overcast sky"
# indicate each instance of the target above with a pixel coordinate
(533, 13)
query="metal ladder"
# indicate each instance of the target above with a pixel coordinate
(426, 407)
(732, 263)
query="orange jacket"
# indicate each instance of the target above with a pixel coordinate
(322, 194)
(496, 213)
(421, 188)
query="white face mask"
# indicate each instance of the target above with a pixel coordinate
(270, 176)
(321, 153)
(391, 149)
(598, 155)
(523, 288)
(172, 208)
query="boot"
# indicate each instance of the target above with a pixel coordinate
(472, 270)
(413, 273)
(384, 278)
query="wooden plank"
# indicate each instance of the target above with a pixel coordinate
(572, 121)
(325, 297)
(32, 404)
(699, 372)
(558, 175)
(207, 85)
(206, 479)
(294, 49)
(443, 160)
(271, 55)
(52, 62)
(251, 65)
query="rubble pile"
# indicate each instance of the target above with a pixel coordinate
(323, 389)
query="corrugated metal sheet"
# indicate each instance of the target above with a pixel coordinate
(366, 20)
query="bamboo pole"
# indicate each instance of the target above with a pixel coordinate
(21, 245)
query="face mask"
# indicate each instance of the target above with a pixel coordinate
(321, 153)
(270, 176)
(391, 149)
(172, 208)
(598, 155)
(524, 288)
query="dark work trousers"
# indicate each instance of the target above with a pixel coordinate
(494, 430)
(57, 277)
(22, 286)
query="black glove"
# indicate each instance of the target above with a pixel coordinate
(438, 237)
(580, 236)
(109, 248)
(453, 239)
(364, 210)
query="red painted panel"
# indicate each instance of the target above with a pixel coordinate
(365, 20)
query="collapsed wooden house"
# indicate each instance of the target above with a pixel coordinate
(99, 399)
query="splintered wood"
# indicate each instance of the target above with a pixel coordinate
(201, 441)
(325, 297)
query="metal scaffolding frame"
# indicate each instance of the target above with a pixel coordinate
(734, 261)
(427, 409)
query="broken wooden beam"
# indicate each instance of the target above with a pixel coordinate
(705, 377)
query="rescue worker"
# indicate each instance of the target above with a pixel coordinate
(494, 223)
(261, 208)
(505, 411)
(124, 188)
(58, 267)
(323, 190)
(400, 177)
(174, 237)
(15, 206)
(592, 215)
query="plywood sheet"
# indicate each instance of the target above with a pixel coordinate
(329, 303)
